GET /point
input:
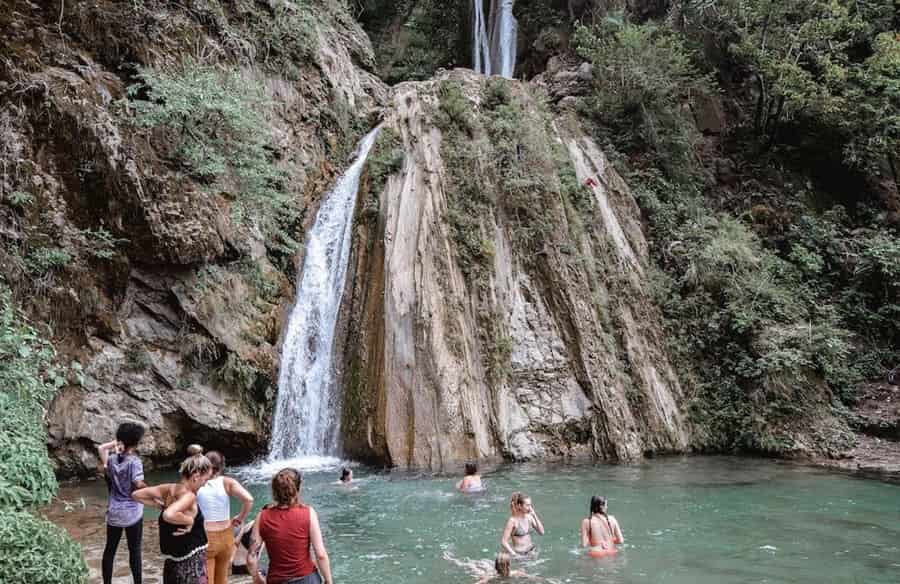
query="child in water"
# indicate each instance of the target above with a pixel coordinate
(483, 570)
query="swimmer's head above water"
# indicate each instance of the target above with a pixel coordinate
(346, 475)
(502, 563)
(520, 503)
(598, 505)
(471, 469)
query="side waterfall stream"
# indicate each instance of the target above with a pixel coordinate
(307, 414)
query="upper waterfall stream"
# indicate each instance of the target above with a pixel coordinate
(494, 41)
(307, 416)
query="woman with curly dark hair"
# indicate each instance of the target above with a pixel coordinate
(124, 474)
(289, 530)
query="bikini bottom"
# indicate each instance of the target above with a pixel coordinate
(602, 553)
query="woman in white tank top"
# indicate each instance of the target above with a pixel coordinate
(215, 503)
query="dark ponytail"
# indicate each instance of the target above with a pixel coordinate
(598, 507)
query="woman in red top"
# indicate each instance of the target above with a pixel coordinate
(289, 529)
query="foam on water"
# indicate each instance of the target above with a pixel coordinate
(266, 469)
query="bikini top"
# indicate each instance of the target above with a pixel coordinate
(520, 531)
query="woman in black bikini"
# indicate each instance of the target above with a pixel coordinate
(516, 537)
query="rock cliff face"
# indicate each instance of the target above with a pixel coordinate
(545, 351)
(171, 306)
(497, 301)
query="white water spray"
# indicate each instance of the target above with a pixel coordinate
(307, 416)
(494, 41)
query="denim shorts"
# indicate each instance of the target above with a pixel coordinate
(313, 578)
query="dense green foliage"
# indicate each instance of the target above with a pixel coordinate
(827, 63)
(28, 379)
(644, 76)
(777, 300)
(221, 138)
(35, 551)
(32, 550)
(414, 38)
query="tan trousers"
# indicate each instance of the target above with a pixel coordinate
(218, 555)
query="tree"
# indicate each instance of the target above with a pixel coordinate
(873, 121)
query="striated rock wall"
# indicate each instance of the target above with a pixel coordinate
(174, 319)
(554, 351)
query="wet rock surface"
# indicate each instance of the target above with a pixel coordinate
(423, 354)
(173, 318)
(876, 420)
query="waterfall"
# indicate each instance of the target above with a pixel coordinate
(504, 35)
(494, 43)
(307, 415)
(481, 48)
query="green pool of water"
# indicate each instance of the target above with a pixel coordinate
(685, 520)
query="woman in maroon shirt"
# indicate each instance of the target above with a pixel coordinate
(289, 529)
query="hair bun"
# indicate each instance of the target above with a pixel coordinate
(194, 449)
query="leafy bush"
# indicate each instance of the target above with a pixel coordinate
(26, 476)
(100, 243)
(644, 78)
(28, 379)
(220, 135)
(35, 551)
(283, 33)
(46, 259)
(28, 373)
(32, 550)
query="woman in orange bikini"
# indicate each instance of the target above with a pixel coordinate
(600, 532)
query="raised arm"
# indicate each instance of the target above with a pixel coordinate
(536, 521)
(617, 533)
(104, 449)
(152, 496)
(507, 532)
(177, 514)
(318, 544)
(586, 532)
(236, 490)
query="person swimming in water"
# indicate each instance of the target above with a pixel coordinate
(471, 483)
(516, 537)
(485, 571)
(600, 533)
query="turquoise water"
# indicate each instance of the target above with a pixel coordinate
(685, 520)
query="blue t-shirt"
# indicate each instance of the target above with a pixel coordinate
(122, 470)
